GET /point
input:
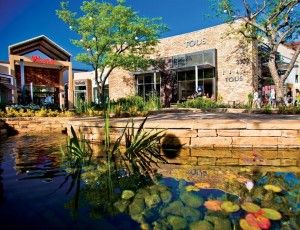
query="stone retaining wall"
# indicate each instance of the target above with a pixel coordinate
(210, 133)
(37, 124)
(215, 142)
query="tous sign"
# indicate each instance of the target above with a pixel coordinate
(193, 43)
(38, 59)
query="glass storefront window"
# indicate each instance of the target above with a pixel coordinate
(206, 79)
(186, 84)
(147, 86)
(95, 94)
(42, 95)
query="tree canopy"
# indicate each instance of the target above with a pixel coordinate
(111, 36)
(271, 23)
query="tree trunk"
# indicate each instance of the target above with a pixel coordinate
(99, 88)
(279, 84)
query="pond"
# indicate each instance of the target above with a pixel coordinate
(39, 191)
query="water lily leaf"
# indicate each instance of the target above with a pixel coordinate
(250, 207)
(127, 194)
(251, 220)
(271, 214)
(228, 206)
(273, 188)
(191, 188)
(245, 226)
(263, 222)
(213, 205)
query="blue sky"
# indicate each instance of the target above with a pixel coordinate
(24, 19)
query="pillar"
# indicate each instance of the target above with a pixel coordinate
(23, 86)
(14, 81)
(61, 89)
(196, 78)
(70, 88)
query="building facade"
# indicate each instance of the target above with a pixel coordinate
(37, 67)
(217, 61)
(213, 60)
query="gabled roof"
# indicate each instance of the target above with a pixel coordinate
(43, 44)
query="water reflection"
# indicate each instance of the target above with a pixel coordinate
(182, 197)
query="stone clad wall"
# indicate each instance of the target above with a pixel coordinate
(278, 141)
(236, 61)
(37, 124)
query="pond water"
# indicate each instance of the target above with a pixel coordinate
(36, 192)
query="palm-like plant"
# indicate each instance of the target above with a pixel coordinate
(142, 150)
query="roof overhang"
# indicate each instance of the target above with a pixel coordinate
(43, 44)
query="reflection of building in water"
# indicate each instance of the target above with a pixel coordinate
(1, 179)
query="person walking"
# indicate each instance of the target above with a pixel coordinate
(273, 98)
(297, 98)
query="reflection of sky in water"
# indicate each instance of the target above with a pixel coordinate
(32, 195)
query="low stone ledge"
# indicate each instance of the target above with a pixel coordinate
(260, 133)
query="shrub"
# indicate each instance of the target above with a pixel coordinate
(128, 106)
(152, 103)
(267, 109)
(201, 103)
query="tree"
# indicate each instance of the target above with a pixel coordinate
(112, 36)
(270, 23)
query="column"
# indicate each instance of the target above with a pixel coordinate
(70, 88)
(154, 81)
(61, 89)
(14, 82)
(196, 78)
(23, 86)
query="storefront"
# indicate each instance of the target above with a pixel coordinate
(210, 60)
(38, 66)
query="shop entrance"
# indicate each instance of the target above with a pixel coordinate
(189, 81)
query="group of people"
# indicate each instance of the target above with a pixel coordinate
(270, 98)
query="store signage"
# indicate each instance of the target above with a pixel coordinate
(80, 82)
(193, 43)
(38, 59)
(234, 79)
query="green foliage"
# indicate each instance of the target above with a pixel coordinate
(201, 103)
(142, 150)
(267, 109)
(112, 36)
(250, 99)
(282, 109)
(134, 106)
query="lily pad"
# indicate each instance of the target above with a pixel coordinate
(250, 207)
(229, 206)
(246, 226)
(213, 205)
(203, 225)
(191, 200)
(136, 207)
(166, 196)
(121, 205)
(251, 220)
(271, 214)
(191, 188)
(263, 222)
(177, 222)
(273, 188)
(152, 200)
(127, 194)
(191, 214)
(174, 208)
